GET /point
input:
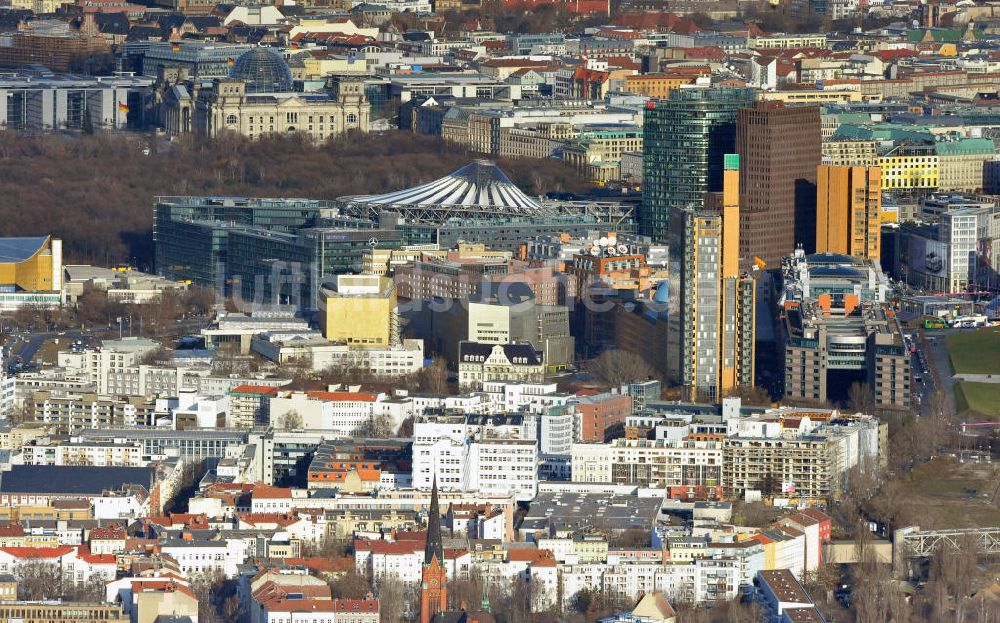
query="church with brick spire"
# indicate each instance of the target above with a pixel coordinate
(433, 592)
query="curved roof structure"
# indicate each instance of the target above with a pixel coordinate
(14, 250)
(263, 70)
(479, 190)
(480, 183)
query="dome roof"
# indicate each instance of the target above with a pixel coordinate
(263, 70)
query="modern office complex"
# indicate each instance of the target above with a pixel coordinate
(779, 148)
(265, 250)
(849, 211)
(43, 101)
(952, 252)
(261, 247)
(713, 304)
(684, 140)
(839, 331)
(201, 60)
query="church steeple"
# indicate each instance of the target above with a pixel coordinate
(433, 593)
(434, 545)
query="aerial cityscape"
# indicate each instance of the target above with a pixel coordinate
(500, 311)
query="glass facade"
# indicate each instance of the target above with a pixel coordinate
(194, 236)
(685, 138)
(201, 60)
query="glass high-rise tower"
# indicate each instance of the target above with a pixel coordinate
(684, 140)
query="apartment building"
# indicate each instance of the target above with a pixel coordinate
(74, 412)
(786, 41)
(849, 153)
(47, 611)
(658, 85)
(910, 167)
(798, 453)
(490, 455)
(686, 469)
(249, 405)
(703, 580)
(61, 452)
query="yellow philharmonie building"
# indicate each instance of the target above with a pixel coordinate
(31, 272)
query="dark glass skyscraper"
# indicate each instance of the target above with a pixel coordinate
(684, 140)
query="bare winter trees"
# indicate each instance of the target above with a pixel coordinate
(616, 367)
(107, 218)
(42, 580)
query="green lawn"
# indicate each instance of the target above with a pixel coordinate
(975, 352)
(981, 398)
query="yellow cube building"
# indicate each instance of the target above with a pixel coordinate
(359, 310)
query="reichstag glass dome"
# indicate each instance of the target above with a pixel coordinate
(263, 70)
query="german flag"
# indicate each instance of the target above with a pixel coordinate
(123, 107)
(176, 47)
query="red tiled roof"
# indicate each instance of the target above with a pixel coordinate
(262, 491)
(281, 519)
(113, 531)
(646, 20)
(263, 390)
(529, 555)
(83, 553)
(816, 514)
(452, 553)
(11, 529)
(890, 55)
(355, 605)
(37, 552)
(803, 520)
(404, 548)
(708, 52)
(190, 520)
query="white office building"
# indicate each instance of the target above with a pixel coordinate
(491, 455)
